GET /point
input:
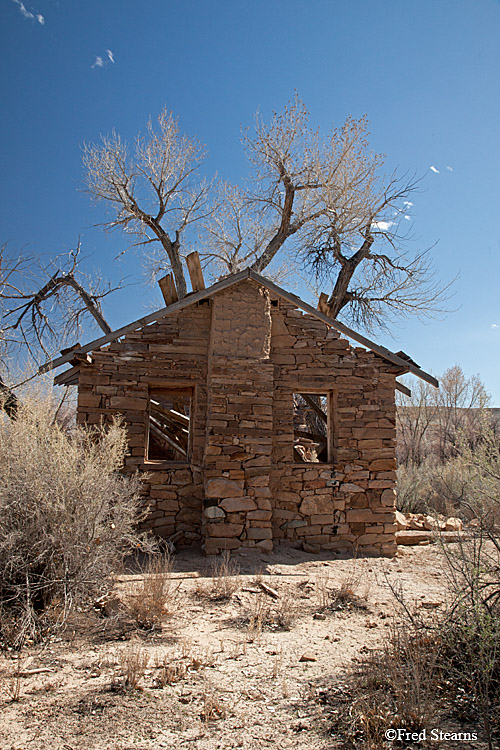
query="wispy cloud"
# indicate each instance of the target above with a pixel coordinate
(408, 218)
(494, 325)
(433, 169)
(382, 226)
(100, 60)
(28, 14)
(450, 169)
(408, 203)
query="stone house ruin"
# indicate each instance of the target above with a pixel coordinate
(254, 417)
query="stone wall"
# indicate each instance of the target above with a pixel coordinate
(245, 353)
(170, 353)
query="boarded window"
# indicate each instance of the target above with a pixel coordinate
(313, 427)
(169, 437)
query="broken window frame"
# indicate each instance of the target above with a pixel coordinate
(329, 419)
(175, 424)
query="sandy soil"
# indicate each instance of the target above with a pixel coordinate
(220, 673)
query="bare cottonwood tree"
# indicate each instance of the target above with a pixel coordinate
(155, 192)
(433, 422)
(323, 202)
(42, 305)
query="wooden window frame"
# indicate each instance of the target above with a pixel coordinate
(331, 423)
(170, 462)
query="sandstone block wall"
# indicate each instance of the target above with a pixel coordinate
(244, 354)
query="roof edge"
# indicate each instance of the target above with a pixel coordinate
(225, 283)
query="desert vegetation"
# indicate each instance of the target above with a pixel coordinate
(291, 648)
(67, 517)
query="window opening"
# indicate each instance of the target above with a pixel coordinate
(169, 424)
(312, 438)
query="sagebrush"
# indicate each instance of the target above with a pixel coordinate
(67, 515)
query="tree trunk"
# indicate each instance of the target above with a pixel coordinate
(340, 295)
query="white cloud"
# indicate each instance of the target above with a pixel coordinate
(382, 226)
(408, 218)
(27, 14)
(450, 169)
(102, 60)
(494, 325)
(408, 203)
(433, 169)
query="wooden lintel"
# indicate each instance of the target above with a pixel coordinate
(168, 289)
(195, 272)
(323, 305)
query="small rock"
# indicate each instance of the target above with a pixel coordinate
(310, 547)
(213, 511)
(319, 616)
(308, 656)
(453, 524)
(401, 521)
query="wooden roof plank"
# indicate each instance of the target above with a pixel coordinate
(195, 272)
(402, 388)
(168, 289)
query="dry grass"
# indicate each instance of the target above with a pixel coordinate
(214, 707)
(156, 598)
(393, 687)
(13, 683)
(349, 594)
(133, 662)
(225, 581)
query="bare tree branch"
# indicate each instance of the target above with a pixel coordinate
(155, 189)
(39, 315)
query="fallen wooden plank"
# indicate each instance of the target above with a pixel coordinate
(29, 672)
(269, 591)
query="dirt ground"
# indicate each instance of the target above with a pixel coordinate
(238, 672)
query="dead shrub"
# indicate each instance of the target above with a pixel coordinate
(67, 516)
(225, 582)
(156, 596)
(393, 687)
(264, 614)
(213, 705)
(133, 661)
(346, 596)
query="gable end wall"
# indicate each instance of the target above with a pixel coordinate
(244, 358)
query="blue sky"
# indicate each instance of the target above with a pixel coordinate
(426, 74)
